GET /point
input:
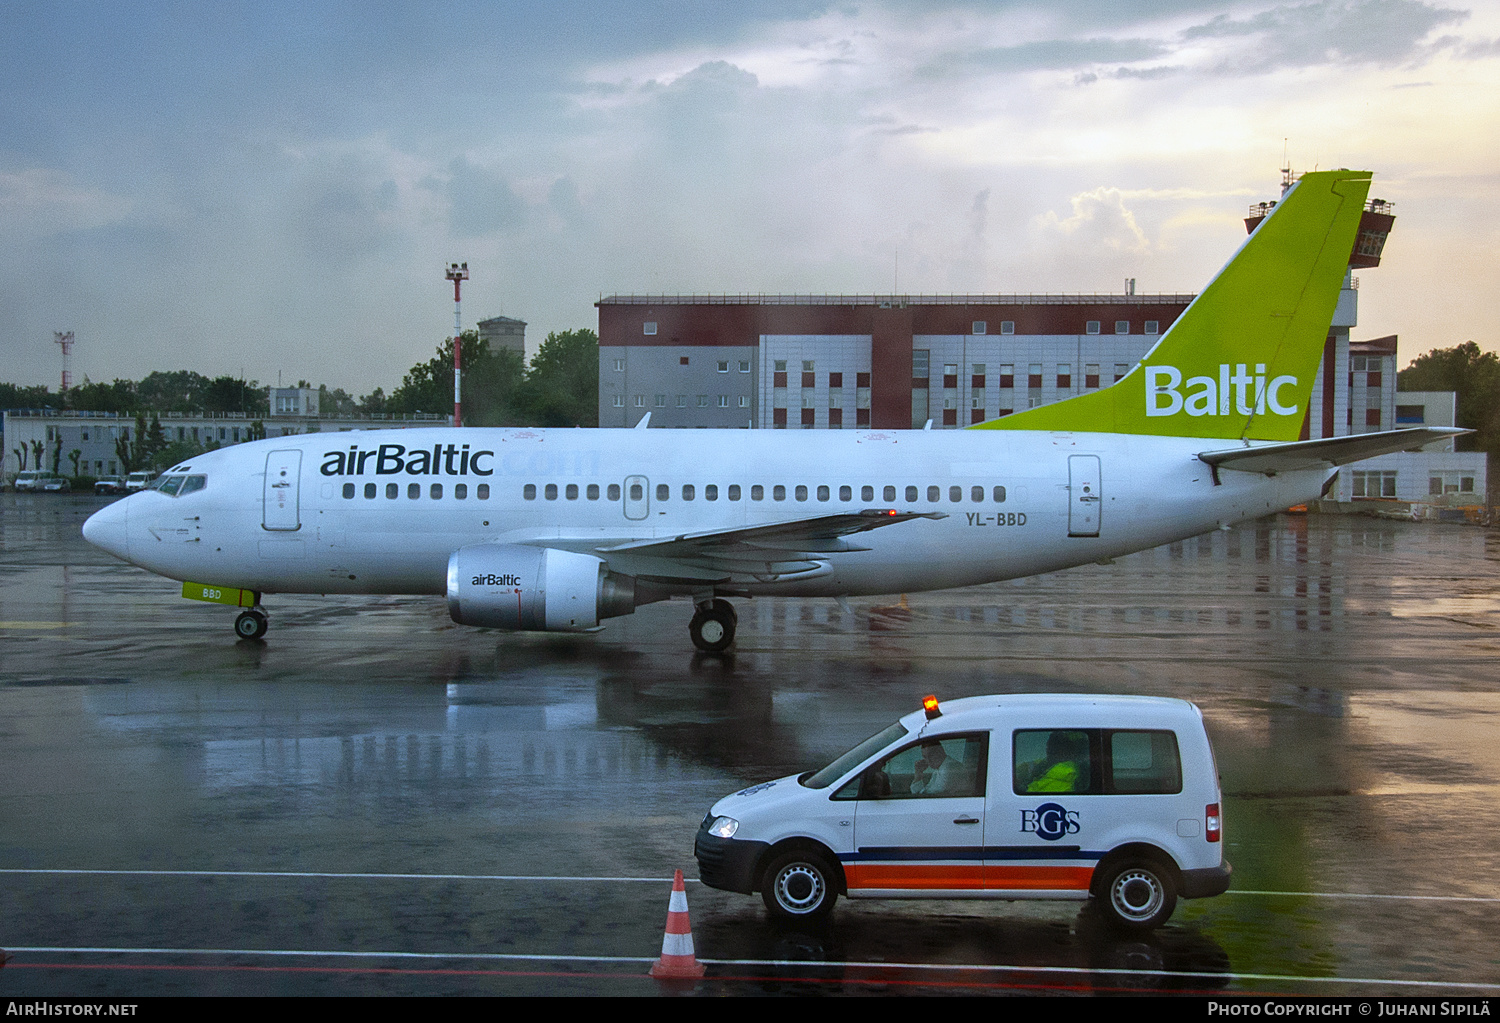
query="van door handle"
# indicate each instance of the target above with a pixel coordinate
(966, 820)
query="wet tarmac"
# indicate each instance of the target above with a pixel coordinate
(373, 800)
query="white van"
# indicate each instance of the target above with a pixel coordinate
(991, 797)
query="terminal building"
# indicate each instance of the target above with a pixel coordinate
(50, 439)
(906, 361)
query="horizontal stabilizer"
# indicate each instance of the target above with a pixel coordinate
(1325, 452)
(821, 533)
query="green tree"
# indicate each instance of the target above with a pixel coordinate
(228, 394)
(1475, 376)
(562, 386)
(16, 396)
(119, 396)
(74, 456)
(491, 384)
(178, 390)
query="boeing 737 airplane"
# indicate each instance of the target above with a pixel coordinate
(557, 529)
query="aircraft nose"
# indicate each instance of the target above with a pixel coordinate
(106, 529)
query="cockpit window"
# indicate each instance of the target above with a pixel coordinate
(177, 486)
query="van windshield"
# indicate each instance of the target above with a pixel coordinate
(836, 770)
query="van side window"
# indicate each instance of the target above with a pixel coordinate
(1055, 760)
(942, 766)
(1142, 762)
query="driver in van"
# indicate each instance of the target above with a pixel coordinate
(936, 773)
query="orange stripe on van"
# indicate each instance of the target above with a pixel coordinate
(913, 875)
(947, 878)
(1033, 878)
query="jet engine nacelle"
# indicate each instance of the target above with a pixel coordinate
(511, 586)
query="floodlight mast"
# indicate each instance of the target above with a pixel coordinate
(65, 339)
(457, 273)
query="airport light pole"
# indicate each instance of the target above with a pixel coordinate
(66, 341)
(457, 273)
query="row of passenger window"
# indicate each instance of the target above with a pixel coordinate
(689, 492)
(414, 491)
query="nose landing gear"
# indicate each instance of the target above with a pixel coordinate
(713, 625)
(251, 624)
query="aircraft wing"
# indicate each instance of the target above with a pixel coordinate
(1326, 452)
(822, 533)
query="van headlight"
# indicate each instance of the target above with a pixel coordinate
(724, 827)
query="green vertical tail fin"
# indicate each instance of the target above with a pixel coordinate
(1241, 359)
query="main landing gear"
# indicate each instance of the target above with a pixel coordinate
(713, 625)
(251, 624)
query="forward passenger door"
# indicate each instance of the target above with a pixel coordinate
(910, 836)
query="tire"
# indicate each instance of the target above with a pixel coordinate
(799, 886)
(712, 629)
(1138, 896)
(250, 625)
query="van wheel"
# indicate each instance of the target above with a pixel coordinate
(799, 885)
(1138, 896)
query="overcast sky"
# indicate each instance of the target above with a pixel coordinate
(275, 188)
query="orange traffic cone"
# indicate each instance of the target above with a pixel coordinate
(677, 960)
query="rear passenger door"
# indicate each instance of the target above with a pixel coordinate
(917, 828)
(1063, 797)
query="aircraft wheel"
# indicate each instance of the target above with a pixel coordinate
(727, 608)
(712, 627)
(251, 624)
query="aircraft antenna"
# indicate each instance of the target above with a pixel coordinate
(457, 273)
(66, 341)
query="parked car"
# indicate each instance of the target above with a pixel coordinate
(1114, 798)
(109, 485)
(56, 485)
(27, 482)
(138, 481)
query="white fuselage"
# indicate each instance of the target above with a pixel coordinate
(273, 516)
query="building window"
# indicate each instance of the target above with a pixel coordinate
(744, 365)
(1007, 375)
(808, 365)
(835, 380)
(979, 327)
(778, 420)
(1372, 417)
(682, 401)
(744, 401)
(809, 379)
(1092, 327)
(1064, 374)
(1151, 327)
(1368, 485)
(1034, 376)
(723, 365)
(619, 365)
(723, 401)
(1091, 375)
(1121, 368)
(661, 401)
(1411, 414)
(1007, 326)
(703, 401)
(1122, 326)
(682, 361)
(862, 416)
(650, 328)
(809, 417)
(640, 401)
